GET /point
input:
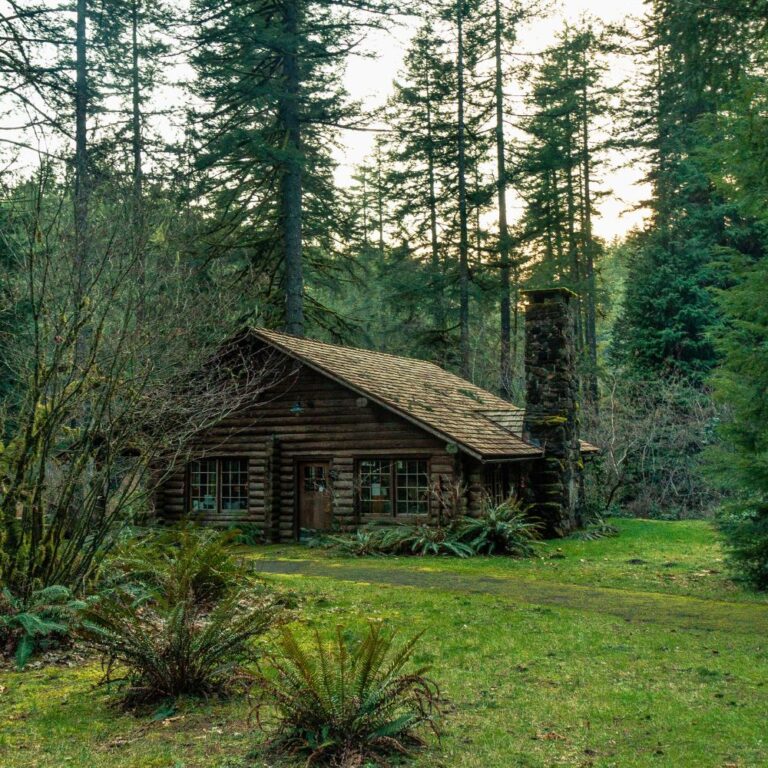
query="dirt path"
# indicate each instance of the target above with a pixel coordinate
(674, 611)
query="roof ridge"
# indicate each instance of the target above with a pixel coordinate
(260, 329)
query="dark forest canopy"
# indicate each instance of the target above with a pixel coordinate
(192, 151)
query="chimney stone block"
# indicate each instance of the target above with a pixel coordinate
(551, 411)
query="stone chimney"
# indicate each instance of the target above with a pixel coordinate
(551, 407)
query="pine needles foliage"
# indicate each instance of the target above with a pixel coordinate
(348, 702)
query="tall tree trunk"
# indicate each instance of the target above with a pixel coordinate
(508, 352)
(463, 233)
(365, 207)
(291, 186)
(82, 182)
(137, 214)
(136, 142)
(591, 299)
(438, 306)
(379, 203)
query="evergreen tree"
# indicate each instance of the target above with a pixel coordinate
(269, 76)
(556, 175)
(694, 53)
(420, 160)
(737, 161)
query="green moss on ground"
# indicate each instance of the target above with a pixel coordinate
(529, 682)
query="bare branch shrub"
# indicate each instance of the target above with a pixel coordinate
(651, 435)
(115, 369)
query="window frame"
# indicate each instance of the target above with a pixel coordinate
(501, 477)
(393, 487)
(220, 461)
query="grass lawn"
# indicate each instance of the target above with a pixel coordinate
(635, 651)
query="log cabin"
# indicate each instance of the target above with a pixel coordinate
(349, 436)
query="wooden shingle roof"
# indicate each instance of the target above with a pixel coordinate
(477, 421)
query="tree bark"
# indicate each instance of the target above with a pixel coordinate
(137, 214)
(136, 139)
(438, 311)
(82, 182)
(508, 351)
(291, 187)
(462, 181)
(591, 299)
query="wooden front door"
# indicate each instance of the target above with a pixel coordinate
(314, 494)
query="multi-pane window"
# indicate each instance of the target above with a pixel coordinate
(375, 476)
(234, 485)
(314, 478)
(393, 486)
(218, 485)
(412, 484)
(203, 485)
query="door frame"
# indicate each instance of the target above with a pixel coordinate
(298, 461)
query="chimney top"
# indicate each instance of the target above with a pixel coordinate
(537, 295)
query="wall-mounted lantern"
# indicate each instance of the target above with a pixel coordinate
(297, 409)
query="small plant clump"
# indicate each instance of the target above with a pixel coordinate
(180, 563)
(350, 702)
(596, 530)
(47, 618)
(500, 529)
(178, 618)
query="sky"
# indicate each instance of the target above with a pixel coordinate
(370, 80)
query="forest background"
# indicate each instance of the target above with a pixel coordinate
(392, 176)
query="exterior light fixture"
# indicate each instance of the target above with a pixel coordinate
(297, 409)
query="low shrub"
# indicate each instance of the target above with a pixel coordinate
(348, 702)
(179, 563)
(500, 529)
(595, 530)
(177, 616)
(363, 542)
(246, 534)
(46, 619)
(161, 650)
(424, 540)
(400, 539)
(744, 525)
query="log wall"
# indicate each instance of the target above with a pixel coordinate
(335, 424)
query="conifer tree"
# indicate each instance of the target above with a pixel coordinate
(557, 175)
(693, 53)
(269, 77)
(736, 161)
(420, 160)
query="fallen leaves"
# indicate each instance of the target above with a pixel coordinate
(549, 736)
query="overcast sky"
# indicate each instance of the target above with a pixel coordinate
(371, 81)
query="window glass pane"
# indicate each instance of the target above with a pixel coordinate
(234, 485)
(202, 485)
(499, 483)
(412, 484)
(314, 478)
(375, 481)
